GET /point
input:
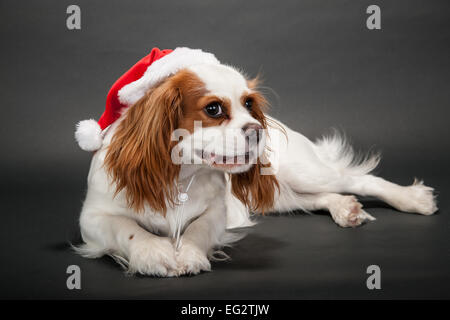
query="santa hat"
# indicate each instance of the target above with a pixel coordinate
(133, 85)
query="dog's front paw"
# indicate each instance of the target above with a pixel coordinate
(348, 212)
(191, 260)
(152, 256)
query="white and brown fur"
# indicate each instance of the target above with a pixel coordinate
(130, 207)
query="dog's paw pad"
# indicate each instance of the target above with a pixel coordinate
(348, 212)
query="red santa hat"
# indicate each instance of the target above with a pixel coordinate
(133, 85)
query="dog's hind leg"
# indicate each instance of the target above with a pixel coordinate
(416, 198)
(331, 166)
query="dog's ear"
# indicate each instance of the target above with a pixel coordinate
(254, 189)
(138, 158)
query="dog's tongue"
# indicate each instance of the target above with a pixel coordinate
(219, 159)
(211, 157)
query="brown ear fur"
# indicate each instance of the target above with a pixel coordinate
(138, 158)
(255, 190)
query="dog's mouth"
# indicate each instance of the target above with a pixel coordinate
(223, 161)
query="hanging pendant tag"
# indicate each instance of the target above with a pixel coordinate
(183, 197)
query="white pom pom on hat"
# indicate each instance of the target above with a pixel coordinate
(133, 85)
(89, 135)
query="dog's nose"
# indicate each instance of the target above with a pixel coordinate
(252, 130)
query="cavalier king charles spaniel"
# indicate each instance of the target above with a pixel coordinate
(185, 150)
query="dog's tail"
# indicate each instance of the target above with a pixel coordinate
(337, 153)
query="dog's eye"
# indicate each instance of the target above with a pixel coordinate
(249, 103)
(214, 110)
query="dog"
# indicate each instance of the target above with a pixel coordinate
(165, 184)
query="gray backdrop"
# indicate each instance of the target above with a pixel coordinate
(387, 89)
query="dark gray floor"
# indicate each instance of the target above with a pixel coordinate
(284, 257)
(387, 89)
